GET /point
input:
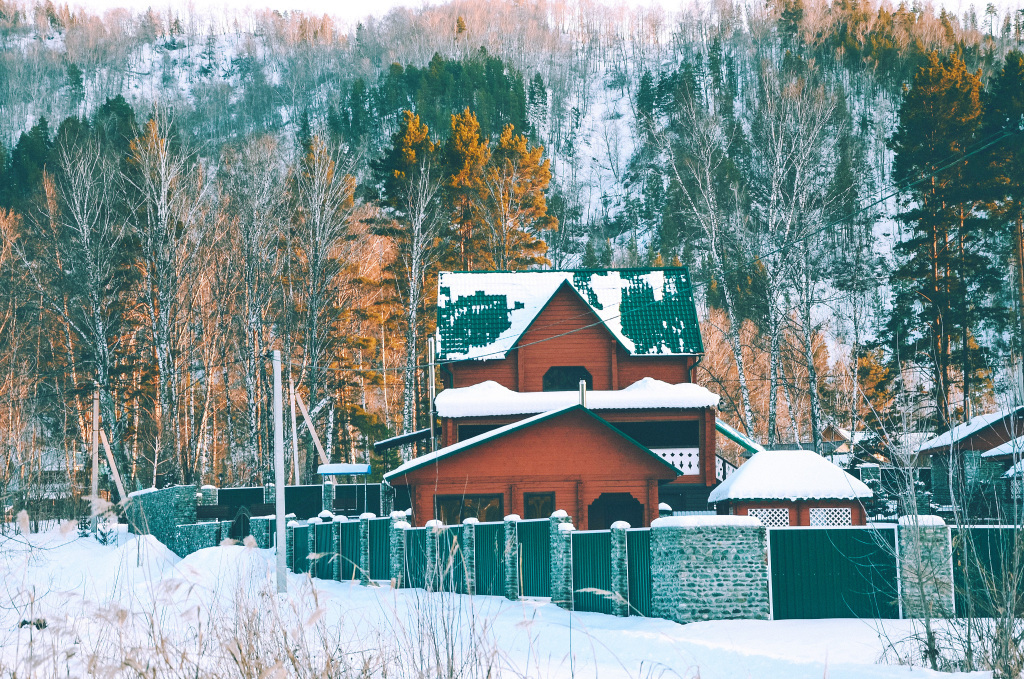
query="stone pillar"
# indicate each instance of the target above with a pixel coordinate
(512, 557)
(364, 547)
(561, 559)
(432, 578)
(209, 495)
(268, 494)
(709, 568)
(926, 567)
(397, 550)
(225, 530)
(327, 503)
(289, 538)
(469, 553)
(336, 542)
(620, 575)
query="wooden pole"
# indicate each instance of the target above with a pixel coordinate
(309, 425)
(295, 434)
(113, 467)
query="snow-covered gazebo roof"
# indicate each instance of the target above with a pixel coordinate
(789, 475)
(482, 314)
(492, 399)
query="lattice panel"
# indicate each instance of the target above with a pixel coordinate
(776, 517)
(686, 460)
(831, 516)
(1017, 488)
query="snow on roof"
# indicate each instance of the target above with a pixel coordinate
(1014, 447)
(789, 475)
(490, 398)
(481, 315)
(962, 431)
(429, 458)
(1015, 470)
(737, 436)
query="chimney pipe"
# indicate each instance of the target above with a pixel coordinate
(583, 393)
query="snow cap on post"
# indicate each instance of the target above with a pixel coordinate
(922, 520)
(367, 515)
(620, 525)
(470, 519)
(559, 514)
(513, 517)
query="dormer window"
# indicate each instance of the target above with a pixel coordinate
(566, 378)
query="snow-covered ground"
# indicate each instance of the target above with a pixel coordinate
(135, 609)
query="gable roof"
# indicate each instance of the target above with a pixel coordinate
(972, 426)
(462, 446)
(789, 475)
(492, 399)
(482, 314)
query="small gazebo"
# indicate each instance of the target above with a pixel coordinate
(792, 488)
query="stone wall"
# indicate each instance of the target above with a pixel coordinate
(192, 537)
(160, 512)
(926, 567)
(709, 568)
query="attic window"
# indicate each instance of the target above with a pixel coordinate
(567, 378)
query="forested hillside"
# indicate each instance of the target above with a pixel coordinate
(179, 195)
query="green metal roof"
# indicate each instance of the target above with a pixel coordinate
(651, 312)
(461, 446)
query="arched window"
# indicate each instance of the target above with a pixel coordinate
(567, 378)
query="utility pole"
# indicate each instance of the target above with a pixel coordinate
(95, 459)
(279, 480)
(431, 359)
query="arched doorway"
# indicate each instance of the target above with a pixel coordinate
(612, 507)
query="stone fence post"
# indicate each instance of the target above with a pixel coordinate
(620, 575)
(364, 547)
(512, 557)
(468, 551)
(432, 577)
(209, 495)
(561, 559)
(289, 539)
(397, 552)
(926, 567)
(327, 497)
(709, 568)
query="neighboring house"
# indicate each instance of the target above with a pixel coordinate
(519, 435)
(971, 461)
(793, 488)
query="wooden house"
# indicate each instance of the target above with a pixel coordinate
(793, 488)
(517, 431)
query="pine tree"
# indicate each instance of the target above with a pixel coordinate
(945, 274)
(466, 156)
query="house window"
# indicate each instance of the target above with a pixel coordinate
(538, 505)
(775, 517)
(831, 516)
(567, 378)
(468, 431)
(664, 434)
(454, 509)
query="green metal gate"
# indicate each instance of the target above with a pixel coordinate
(534, 557)
(415, 558)
(348, 550)
(638, 570)
(323, 546)
(451, 563)
(300, 549)
(380, 549)
(983, 556)
(592, 571)
(833, 573)
(490, 559)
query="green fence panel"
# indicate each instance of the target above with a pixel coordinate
(348, 550)
(300, 549)
(380, 549)
(592, 571)
(638, 570)
(983, 556)
(534, 557)
(323, 545)
(490, 559)
(415, 558)
(833, 573)
(451, 562)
